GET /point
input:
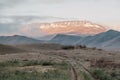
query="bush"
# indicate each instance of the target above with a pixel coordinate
(101, 75)
(86, 76)
(81, 47)
(67, 47)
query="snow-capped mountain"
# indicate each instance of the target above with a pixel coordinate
(81, 27)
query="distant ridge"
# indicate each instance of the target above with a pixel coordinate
(17, 39)
(107, 40)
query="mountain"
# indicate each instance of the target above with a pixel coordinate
(17, 39)
(113, 44)
(47, 37)
(107, 40)
(99, 38)
(65, 39)
(80, 27)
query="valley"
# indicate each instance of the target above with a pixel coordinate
(52, 61)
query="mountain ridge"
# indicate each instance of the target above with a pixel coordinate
(102, 40)
(64, 39)
(108, 39)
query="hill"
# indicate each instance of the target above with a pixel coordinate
(38, 47)
(17, 39)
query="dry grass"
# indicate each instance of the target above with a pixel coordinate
(44, 70)
(56, 54)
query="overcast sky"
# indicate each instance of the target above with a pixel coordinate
(105, 12)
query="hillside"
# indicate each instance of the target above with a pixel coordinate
(65, 39)
(38, 47)
(101, 40)
(6, 49)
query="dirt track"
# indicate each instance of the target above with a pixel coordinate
(75, 75)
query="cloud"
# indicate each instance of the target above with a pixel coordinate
(14, 3)
(116, 28)
(32, 30)
(23, 24)
(9, 3)
(6, 20)
(7, 34)
(29, 25)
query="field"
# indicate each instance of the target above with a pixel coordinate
(57, 62)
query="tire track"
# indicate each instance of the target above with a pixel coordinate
(74, 62)
(74, 73)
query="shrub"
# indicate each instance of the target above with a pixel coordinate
(101, 75)
(67, 47)
(81, 47)
(86, 76)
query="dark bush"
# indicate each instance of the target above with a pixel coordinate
(68, 47)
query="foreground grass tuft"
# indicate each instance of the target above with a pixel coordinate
(101, 74)
(61, 71)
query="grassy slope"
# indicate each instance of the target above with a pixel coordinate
(36, 47)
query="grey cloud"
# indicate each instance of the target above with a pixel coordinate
(21, 21)
(9, 3)
(94, 10)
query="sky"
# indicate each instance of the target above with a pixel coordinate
(16, 13)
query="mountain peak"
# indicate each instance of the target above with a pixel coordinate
(111, 30)
(16, 35)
